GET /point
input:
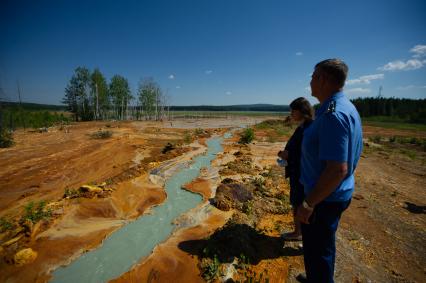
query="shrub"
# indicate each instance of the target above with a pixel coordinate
(71, 193)
(248, 207)
(424, 145)
(35, 213)
(251, 277)
(247, 136)
(210, 268)
(6, 138)
(187, 138)
(168, 147)
(259, 184)
(414, 140)
(411, 154)
(101, 134)
(199, 131)
(376, 139)
(5, 225)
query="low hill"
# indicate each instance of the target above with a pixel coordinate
(33, 106)
(247, 107)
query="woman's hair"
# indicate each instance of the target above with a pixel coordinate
(302, 104)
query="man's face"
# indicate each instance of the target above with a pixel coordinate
(315, 83)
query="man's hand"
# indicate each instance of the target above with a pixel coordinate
(283, 154)
(303, 214)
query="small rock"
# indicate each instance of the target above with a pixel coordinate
(90, 189)
(24, 256)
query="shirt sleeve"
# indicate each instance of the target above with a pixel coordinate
(333, 139)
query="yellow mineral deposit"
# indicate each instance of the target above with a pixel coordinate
(91, 189)
(24, 256)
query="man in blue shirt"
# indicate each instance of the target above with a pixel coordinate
(331, 149)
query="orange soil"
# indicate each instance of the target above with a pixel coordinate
(200, 186)
(41, 166)
(371, 131)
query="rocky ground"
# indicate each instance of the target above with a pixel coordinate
(90, 186)
(63, 191)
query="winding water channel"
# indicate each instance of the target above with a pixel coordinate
(136, 240)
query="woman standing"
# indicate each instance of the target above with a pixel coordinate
(302, 113)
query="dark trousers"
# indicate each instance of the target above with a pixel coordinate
(319, 241)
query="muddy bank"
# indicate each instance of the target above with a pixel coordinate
(80, 223)
(248, 226)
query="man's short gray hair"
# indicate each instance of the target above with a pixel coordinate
(335, 69)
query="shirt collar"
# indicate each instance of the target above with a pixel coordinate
(324, 105)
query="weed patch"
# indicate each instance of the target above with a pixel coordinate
(168, 147)
(36, 212)
(5, 225)
(210, 268)
(247, 136)
(101, 134)
(187, 138)
(6, 138)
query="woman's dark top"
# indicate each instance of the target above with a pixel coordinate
(294, 148)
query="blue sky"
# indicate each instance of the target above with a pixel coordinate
(218, 52)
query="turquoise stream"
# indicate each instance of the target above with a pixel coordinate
(136, 240)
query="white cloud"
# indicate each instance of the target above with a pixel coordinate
(414, 63)
(178, 86)
(172, 77)
(358, 90)
(228, 92)
(365, 79)
(418, 50)
(399, 65)
(411, 87)
(299, 53)
(208, 72)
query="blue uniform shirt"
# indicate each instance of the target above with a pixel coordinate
(335, 135)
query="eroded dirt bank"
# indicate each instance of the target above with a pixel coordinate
(224, 227)
(380, 239)
(53, 166)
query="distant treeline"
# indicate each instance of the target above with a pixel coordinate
(32, 106)
(410, 110)
(31, 115)
(250, 107)
(240, 108)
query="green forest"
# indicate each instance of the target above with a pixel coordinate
(405, 110)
